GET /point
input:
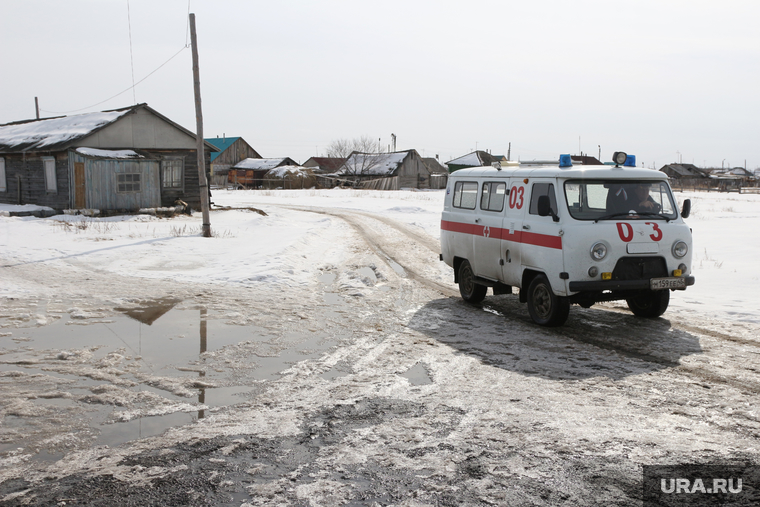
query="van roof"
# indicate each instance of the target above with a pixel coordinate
(554, 171)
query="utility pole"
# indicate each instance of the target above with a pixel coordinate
(202, 181)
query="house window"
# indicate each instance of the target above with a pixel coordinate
(3, 184)
(128, 183)
(172, 170)
(50, 182)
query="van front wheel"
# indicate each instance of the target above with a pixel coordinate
(545, 307)
(650, 303)
(470, 291)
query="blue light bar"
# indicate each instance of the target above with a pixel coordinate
(630, 161)
(565, 161)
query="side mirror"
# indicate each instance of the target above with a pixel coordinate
(544, 208)
(686, 211)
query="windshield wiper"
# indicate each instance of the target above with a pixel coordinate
(650, 214)
(641, 213)
(613, 215)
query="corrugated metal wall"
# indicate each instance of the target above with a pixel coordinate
(102, 183)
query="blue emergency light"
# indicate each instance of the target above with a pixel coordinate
(565, 161)
(630, 161)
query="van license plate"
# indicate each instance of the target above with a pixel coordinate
(667, 283)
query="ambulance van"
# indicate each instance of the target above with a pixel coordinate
(565, 234)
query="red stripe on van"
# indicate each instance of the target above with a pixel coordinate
(528, 238)
(532, 238)
(463, 228)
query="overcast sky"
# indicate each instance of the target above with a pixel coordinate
(666, 80)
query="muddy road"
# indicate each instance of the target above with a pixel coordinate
(374, 385)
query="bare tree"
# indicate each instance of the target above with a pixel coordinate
(362, 154)
(343, 148)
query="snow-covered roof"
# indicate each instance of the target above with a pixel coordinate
(56, 134)
(94, 152)
(292, 170)
(379, 164)
(471, 159)
(259, 163)
(52, 133)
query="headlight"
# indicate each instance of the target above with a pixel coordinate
(680, 248)
(599, 251)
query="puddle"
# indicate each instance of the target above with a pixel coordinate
(417, 375)
(331, 298)
(400, 271)
(326, 278)
(367, 272)
(156, 340)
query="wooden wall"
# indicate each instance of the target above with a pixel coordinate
(27, 170)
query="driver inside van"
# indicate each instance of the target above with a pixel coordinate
(631, 198)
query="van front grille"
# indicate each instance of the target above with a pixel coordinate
(639, 268)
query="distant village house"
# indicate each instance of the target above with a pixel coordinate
(231, 151)
(251, 172)
(385, 171)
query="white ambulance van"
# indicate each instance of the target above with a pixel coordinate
(567, 234)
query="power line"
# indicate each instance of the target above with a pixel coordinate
(121, 92)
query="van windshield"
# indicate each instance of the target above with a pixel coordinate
(616, 199)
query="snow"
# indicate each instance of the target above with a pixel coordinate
(293, 170)
(47, 132)
(269, 249)
(258, 163)
(471, 159)
(94, 152)
(400, 379)
(379, 164)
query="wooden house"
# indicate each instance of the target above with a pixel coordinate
(290, 177)
(439, 173)
(231, 151)
(113, 161)
(324, 165)
(684, 172)
(386, 171)
(249, 173)
(475, 159)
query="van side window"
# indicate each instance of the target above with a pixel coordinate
(540, 189)
(465, 194)
(492, 198)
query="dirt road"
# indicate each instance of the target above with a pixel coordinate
(392, 391)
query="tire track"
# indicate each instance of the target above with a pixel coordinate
(375, 241)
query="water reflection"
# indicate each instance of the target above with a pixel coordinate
(150, 311)
(119, 373)
(202, 373)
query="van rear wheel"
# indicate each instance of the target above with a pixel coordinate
(545, 307)
(650, 303)
(470, 291)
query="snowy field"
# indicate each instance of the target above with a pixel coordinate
(250, 248)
